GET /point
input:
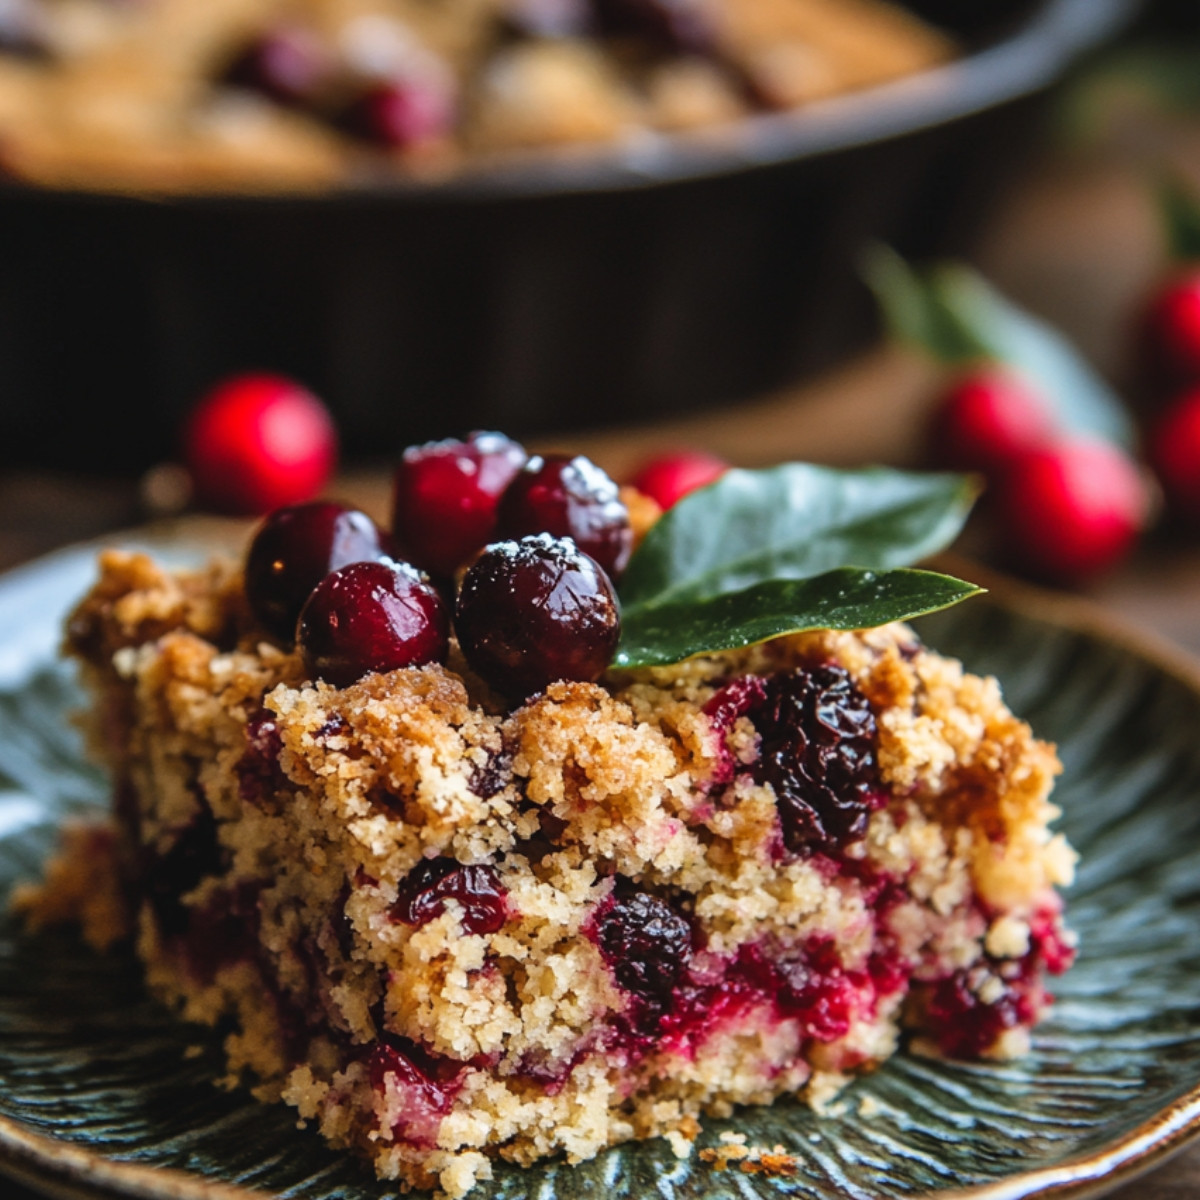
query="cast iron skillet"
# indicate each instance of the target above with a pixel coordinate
(550, 292)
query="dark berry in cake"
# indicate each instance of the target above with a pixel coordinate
(426, 888)
(372, 616)
(679, 26)
(400, 113)
(258, 770)
(257, 442)
(289, 64)
(817, 751)
(534, 611)
(569, 497)
(644, 941)
(295, 548)
(445, 496)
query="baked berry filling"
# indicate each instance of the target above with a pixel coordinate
(420, 1086)
(482, 899)
(817, 738)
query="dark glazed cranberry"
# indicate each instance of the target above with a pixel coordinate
(372, 616)
(818, 754)
(258, 771)
(289, 64)
(426, 888)
(445, 497)
(534, 611)
(295, 548)
(569, 497)
(401, 113)
(681, 26)
(645, 943)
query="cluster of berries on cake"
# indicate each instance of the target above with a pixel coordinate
(464, 890)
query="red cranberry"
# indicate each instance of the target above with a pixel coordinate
(400, 113)
(1171, 332)
(372, 616)
(569, 497)
(817, 752)
(426, 888)
(290, 64)
(987, 419)
(1072, 509)
(445, 497)
(644, 941)
(534, 611)
(295, 548)
(1175, 453)
(681, 26)
(670, 477)
(258, 442)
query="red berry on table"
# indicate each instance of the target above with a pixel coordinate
(295, 548)
(1171, 331)
(1073, 508)
(372, 616)
(257, 442)
(290, 64)
(1175, 453)
(399, 113)
(534, 611)
(445, 496)
(669, 477)
(572, 498)
(987, 418)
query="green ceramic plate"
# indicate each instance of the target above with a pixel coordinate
(101, 1094)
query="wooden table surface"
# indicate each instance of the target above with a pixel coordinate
(1042, 248)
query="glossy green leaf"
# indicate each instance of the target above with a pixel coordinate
(793, 522)
(953, 314)
(848, 598)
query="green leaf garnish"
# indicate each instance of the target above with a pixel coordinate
(848, 598)
(953, 314)
(759, 554)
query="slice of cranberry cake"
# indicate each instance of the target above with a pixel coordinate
(446, 929)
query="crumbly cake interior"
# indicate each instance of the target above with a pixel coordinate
(446, 932)
(135, 96)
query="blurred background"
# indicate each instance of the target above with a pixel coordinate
(737, 266)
